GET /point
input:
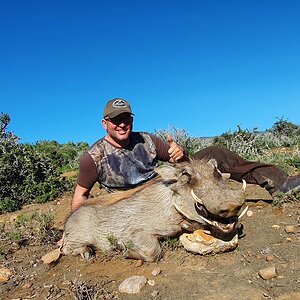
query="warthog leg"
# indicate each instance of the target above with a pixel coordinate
(145, 247)
(77, 248)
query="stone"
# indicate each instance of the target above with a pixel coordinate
(249, 213)
(156, 271)
(151, 282)
(290, 229)
(270, 257)
(51, 256)
(267, 273)
(133, 284)
(5, 274)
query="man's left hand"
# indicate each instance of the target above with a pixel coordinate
(176, 152)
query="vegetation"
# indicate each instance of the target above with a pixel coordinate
(33, 173)
(64, 157)
(33, 229)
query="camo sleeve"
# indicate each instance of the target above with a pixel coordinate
(88, 174)
(162, 148)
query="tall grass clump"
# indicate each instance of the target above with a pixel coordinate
(278, 146)
(35, 229)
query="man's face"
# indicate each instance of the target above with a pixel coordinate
(119, 128)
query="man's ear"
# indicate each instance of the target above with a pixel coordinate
(104, 124)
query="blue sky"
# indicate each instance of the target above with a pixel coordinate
(202, 66)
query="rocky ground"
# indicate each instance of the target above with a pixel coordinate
(271, 239)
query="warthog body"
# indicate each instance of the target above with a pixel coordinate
(135, 220)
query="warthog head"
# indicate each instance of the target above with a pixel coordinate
(201, 194)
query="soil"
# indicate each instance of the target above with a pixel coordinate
(230, 275)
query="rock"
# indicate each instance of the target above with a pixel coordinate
(290, 229)
(133, 284)
(249, 213)
(202, 243)
(268, 273)
(156, 271)
(51, 256)
(154, 294)
(139, 263)
(5, 274)
(27, 285)
(269, 257)
(151, 282)
(275, 226)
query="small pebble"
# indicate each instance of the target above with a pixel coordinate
(267, 273)
(139, 263)
(154, 294)
(5, 274)
(276, 226)
(290, 229)
(151, 282)
(249, 213)
(270, 257)
(26, 285)
(156, 271)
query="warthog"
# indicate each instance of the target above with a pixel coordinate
(135, 220)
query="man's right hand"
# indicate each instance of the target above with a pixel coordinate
(80, 195)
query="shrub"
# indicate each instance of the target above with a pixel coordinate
(25, 175)
(64, 157)
(246, 143)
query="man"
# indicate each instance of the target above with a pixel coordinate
(124, 159)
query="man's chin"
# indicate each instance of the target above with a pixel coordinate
(123, 136)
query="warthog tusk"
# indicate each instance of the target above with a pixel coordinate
(195, 197)
(243, 212)
(244, 184)
(207, 221)
(180, 211)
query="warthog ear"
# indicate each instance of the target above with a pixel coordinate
(166, 172)
(172, 174)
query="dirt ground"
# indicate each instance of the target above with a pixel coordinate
(230, 275)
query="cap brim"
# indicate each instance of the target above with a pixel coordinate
(116, 113)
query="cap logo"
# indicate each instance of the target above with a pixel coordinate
(119, 103)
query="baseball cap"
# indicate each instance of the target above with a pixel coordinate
(116, 107)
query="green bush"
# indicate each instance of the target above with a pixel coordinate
(25, 175)
(64, 157)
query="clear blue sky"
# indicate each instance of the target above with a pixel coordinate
(202, 66)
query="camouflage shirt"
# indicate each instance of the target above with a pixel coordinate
(122, 168)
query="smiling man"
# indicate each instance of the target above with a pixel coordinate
(122, 159)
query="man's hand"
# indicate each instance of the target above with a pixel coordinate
(80, 195)
(176, 152)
